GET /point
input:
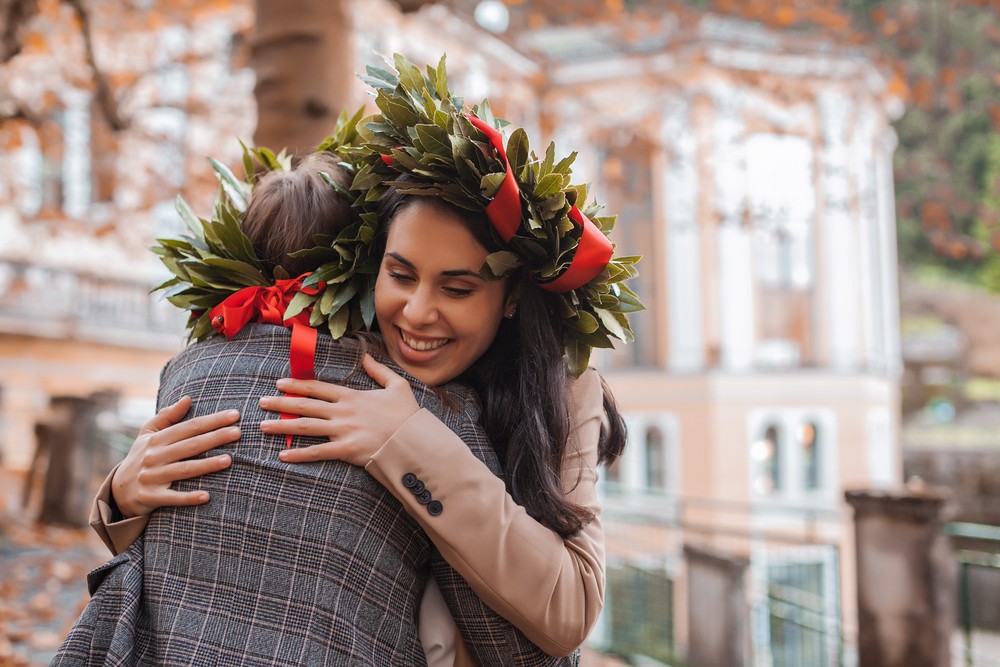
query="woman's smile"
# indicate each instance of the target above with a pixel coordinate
(422, 344)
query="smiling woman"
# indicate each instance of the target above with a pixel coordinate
(436, 314)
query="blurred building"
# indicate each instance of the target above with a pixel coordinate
(80, 202)
(752, 169)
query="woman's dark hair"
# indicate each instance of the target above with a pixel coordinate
(288, 208)
(523, 384)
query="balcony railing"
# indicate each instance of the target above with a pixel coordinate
(63, 304)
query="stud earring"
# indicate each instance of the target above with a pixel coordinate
(510, 315)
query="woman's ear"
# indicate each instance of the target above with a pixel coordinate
(510, 305)
(514, 293)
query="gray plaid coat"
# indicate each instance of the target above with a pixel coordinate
(308, 564)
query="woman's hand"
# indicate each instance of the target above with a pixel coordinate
(157, 458)
(357, 423)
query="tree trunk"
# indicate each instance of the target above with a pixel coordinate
(302, 54)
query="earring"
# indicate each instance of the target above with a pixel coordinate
(511, 314)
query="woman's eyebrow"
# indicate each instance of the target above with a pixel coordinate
(450, 273)
(402, 260)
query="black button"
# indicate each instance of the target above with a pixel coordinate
(435, 507)
(424, 497)
(418, 488)
(409, 479)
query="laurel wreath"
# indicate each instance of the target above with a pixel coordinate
(422, 126)
(217, 259)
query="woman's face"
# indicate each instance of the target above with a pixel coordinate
(436, 314)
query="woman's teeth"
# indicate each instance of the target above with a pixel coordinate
(424, 345)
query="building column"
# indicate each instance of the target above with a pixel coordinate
(718, 612)
(906, 578)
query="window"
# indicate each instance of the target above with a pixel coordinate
(649, 464)
(656, 460)
(51, 140)
(809, 442)
(104, 155)
(791, 453)
(766, 453)
(781, 210)
(627, 191)
(613, 472)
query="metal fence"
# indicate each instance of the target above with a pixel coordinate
(978, 554)
(789, 593)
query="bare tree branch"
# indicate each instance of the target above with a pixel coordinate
(103, 93)
(14, 16)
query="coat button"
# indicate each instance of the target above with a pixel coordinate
(409, 479)
(434, 507)
(424, 497)
(418, 488)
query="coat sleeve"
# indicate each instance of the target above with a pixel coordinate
(550, 588)
(117, 533)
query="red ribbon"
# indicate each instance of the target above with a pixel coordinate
(268, 305)
(592, 254)
(505, 209)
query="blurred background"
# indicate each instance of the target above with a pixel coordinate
(813, 473)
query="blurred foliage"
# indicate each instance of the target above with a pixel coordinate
(947, 161)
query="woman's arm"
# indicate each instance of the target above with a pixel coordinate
(550, 588)
(160, 456)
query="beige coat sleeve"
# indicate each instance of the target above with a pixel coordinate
(117, 536)
(550, 588)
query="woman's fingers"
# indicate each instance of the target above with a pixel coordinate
(327, 451)
(191, 468)
(168, 416)
(303, 407)
(171, 498)
(200, 444)
(324, 391)
(379, 372)
(195, 427)
(299, 426)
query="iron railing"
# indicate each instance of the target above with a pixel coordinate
(978, 555)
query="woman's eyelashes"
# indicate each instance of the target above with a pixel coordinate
(401, 277)
(457, 291)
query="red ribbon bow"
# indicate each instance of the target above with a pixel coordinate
(594, 250)
(268, 305)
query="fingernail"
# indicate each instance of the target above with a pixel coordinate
(283, 382)
(203, 497)
(233, 431)
(225, 459)
(232, 414)
(283, 456)
(264, 425)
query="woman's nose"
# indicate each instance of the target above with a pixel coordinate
(421, 307)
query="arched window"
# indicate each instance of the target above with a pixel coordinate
(809, 442)
(766, 455)
(656, 459)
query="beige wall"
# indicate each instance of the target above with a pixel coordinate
(32, 370)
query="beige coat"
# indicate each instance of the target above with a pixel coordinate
(550, 588)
